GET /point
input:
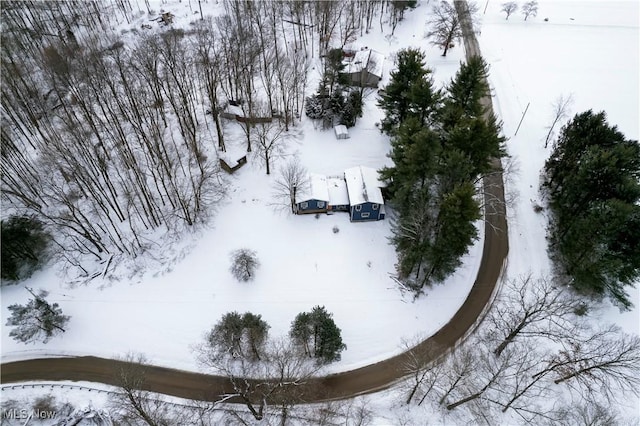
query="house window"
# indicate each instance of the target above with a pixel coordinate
(320, 204)
(365, 215)
(375, 207)
(358, 207)
(304, 205)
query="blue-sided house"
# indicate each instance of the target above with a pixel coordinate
(365, 197)
(313, 197)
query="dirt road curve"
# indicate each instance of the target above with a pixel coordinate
(355, 382)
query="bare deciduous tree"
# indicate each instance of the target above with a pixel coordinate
(561, 111)
(272, 385)
(587, 413)
(269, 138)
(531, 307)
(292, 177)
(530, 8)
(602, 362)
(509, 7)
(133, 405)
(423, 367)
(444, 25)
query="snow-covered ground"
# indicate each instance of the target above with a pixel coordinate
(303, 262)
(588, 49)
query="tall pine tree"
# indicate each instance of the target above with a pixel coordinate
(409, 93)
(439, 149)
(318, 335)
(592, 179)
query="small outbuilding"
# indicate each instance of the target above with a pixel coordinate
(341, 131)
(365, 68)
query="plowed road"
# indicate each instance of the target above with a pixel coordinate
(367, 379)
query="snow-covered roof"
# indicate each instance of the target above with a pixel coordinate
(233, 109)
(338, 194)
(363, 185)
(341, 129)
(367, 58)
(315, 190)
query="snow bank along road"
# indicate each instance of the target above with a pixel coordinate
(363, 380)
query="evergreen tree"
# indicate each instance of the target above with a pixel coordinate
(333, 76)
(302, 330)
(439, 148)
(479, 139)
(226, 336)
(37, 320)
(256, 330)
(465, 92)
(238, 335)
(352, 108)
(414, 151)
(455, 232)
(412, 232)
(592, 179)
(410, 91)
(24, 242)
(314, 107)
(318, 334)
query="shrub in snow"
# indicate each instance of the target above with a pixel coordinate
(336, 229)
(244, 263)
(314, 107)
(37, 320)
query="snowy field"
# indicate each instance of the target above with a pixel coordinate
(588, 50)
(303, 262)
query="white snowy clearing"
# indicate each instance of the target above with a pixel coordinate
(588, 49)
(303, 262)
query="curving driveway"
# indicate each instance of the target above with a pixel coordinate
(363, 380)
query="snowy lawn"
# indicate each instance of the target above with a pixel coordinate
(303, 262)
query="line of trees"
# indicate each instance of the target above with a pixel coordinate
(442, 144)
(534, 346)
(264, 372)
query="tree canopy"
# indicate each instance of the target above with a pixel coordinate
(441, 143)
(318, 335)
(410, 93)
(24, 242)
(592, 180)
(37, 320)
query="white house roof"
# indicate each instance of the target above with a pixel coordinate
(315, 190)
(363, 185)
(369, 59)
(338, 194)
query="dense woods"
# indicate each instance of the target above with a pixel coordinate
(111, 135)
